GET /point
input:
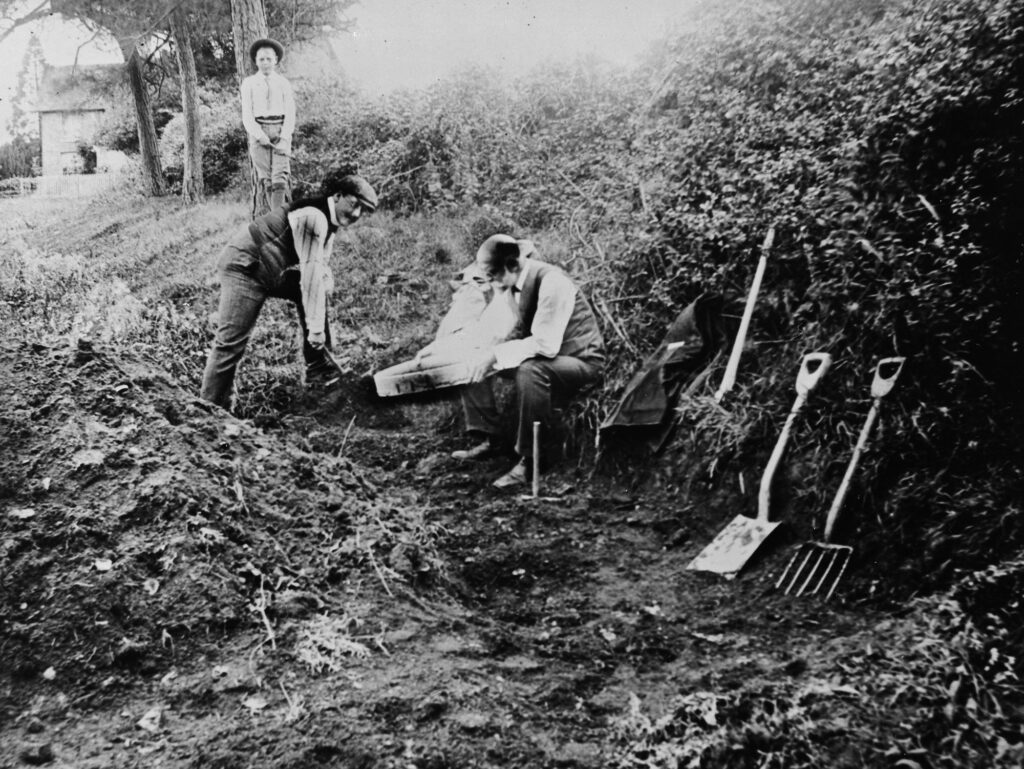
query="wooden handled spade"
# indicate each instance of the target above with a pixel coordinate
(737, 542)
(823, 563)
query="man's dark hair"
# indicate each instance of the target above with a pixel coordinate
(505, 256)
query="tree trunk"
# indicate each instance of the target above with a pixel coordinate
(144, 119)
(192, 179)
(248, 24)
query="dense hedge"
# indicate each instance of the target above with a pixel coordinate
(224, 142)
(884, 141)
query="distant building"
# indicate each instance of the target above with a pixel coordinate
(71, 103)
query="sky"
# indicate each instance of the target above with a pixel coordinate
(413, 43)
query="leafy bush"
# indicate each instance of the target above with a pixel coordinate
(19, 157)
(224, 142)
(877, 140)
(118, 129)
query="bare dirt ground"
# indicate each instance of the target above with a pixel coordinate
(182, 588)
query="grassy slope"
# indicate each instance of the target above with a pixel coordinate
(142, 273)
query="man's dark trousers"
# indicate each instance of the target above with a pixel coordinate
(539, 383)
(245, 284)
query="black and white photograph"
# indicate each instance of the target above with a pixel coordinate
(533, 384)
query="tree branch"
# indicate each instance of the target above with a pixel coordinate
(39, 12)
(133, 39)
(74, 65)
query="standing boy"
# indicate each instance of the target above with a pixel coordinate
(268, 114)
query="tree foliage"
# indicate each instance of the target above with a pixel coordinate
(19, 157)
(24, 122)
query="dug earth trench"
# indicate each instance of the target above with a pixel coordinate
(181, 588)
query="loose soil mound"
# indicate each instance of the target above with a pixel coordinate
(142, 526)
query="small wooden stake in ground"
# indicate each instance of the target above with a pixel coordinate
(535, 489)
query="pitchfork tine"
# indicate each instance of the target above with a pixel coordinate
(808, 552)
(828, 570)
(842, 570)
(801, 552)
(796, 554)
(810, 576)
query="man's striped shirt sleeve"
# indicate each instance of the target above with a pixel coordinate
(313, 247)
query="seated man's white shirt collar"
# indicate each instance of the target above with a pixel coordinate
(528, 263)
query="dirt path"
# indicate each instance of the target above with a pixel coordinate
(183, 589)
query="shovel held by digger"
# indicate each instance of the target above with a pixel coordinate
(824, 563)
(729, 378)
(737, 542)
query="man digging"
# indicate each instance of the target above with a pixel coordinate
(285, 254)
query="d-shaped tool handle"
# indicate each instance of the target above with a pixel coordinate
(812, 369)
(886, 372)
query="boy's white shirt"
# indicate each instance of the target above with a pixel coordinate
(281, 102)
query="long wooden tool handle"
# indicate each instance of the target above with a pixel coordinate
(837, 503)
(812, 368)
(729, 378)
(765, 492)
(887, 371)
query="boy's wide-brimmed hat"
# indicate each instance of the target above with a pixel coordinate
(265, 42)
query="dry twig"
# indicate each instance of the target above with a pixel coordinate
(260, 607)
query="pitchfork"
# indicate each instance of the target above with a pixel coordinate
(824, 563)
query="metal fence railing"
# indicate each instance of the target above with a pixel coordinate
(57, 186)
